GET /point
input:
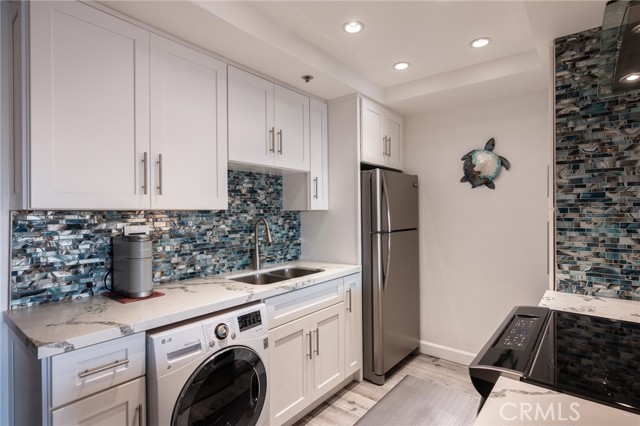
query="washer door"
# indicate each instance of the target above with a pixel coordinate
(229, 388)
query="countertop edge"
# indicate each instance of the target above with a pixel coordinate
(95, 320)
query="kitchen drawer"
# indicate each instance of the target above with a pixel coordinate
(89, 370)
(296, 304)
(119, 405)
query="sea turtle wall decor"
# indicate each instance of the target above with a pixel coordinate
(482, 166)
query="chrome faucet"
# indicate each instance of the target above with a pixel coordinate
(256, 253)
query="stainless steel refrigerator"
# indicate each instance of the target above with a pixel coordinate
(390, 270)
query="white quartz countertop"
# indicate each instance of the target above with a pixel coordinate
(62, 327)
(513, 402)
(623, 310)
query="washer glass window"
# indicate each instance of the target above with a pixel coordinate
(227, 389)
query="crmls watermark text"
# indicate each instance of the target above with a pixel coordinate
(511, 411)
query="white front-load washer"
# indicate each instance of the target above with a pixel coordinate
(210, 371)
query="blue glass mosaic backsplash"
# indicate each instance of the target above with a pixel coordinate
(597, 176)
(60, 255)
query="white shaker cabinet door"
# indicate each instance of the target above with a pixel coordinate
(89, 83)
(319, 171)
(291, 121)
(353, 323)
(290, 359)
(251, 131)
(393, 132)
(372, 144)
(188, 167)
(328, 349)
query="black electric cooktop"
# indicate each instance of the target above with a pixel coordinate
(591, 357)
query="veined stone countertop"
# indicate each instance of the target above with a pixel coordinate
(624, 310)
(513, 402)
(62, 327)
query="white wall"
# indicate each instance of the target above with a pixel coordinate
(482, 251)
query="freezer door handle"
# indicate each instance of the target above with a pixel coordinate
(385, 193)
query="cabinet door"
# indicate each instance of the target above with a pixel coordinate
(393, 131)
(372, 144)
(188, 128)
(251, 135)
(89, 103)
(328, 349)
(119, 405)
(319, 173)
(291, 120)
(353, 323)
(290, 356)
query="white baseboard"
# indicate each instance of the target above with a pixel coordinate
(445, 352)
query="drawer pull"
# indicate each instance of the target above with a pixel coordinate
(116, 363)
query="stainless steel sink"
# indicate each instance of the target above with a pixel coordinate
(294, 272)
(259, 278)
(275, 275)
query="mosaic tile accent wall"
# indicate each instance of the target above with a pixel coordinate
(597, 177)
(60, 255)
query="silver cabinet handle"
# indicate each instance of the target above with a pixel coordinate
(159, 162)
(384, 146)
(317, 341)
(280, 141)
(96, 370)
(315, 185)
(273, 139)
(310, 354)
(349, 309)
(389, 150)
(144, 170)
(139, 411)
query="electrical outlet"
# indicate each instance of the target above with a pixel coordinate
(136, 230)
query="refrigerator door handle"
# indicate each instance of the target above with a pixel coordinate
(386, 271)
(376, 314)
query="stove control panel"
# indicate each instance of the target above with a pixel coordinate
(518, 333)
(511, 349)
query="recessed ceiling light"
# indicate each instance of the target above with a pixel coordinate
(353, 27)
(630, 78)
(480, 42)
(401, 65)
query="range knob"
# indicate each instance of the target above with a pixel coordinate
(222, 331)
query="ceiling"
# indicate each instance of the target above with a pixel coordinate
(288, 39)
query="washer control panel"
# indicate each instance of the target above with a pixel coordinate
(172, 347)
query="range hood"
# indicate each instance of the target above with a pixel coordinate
(620, 48)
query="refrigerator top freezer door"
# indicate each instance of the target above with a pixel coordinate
(394, 198)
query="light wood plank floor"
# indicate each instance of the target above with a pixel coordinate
(353, 401)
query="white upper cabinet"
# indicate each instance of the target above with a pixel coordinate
(251, 130)
(188, 128)
(310, 191)
(268, 124)
(319, 174)
(381, 142)
(89, 108)
(121, 118)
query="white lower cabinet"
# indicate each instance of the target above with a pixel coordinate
(315, 343)
(120, 405)
(353, 323)
(102, 384)
(307, 360)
